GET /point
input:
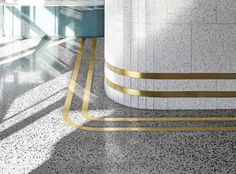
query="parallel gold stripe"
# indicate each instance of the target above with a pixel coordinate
(89, 80)
(87, 116)
(178, 76)
(72, 123)
(159, 119)
(172, 94)
(148, 129)
(72, 84)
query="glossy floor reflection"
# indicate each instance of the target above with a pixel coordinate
(33, 87)
(34, 138)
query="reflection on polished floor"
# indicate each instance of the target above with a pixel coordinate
(34, 137)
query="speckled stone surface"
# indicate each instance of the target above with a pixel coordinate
(170, 36)
(35, 139)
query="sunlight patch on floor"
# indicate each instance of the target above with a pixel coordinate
(28, 148)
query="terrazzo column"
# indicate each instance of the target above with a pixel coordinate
(171, 36)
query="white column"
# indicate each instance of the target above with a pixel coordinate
(171, 36)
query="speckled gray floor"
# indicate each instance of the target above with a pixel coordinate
(35, 139)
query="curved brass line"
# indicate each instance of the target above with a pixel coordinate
(172, 94)
(158, 119)
(176, 76)
(72, 123)
(86, 99)
(145, 129)
(89, 81)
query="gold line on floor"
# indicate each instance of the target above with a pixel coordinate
(88, 117)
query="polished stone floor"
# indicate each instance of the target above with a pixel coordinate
(34, 138)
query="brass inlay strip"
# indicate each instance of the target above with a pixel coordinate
(168, 76)
(172, 94)
(89, 80)
(71, 90)
(72, 86)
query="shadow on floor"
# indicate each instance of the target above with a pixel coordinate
(157, 152)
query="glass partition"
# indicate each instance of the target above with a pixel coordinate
(65, 18)
(56, 2)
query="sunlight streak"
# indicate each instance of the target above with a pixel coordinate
(22, 46)
(18, 47)
(35, 100)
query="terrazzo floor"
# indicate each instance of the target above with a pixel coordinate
(34, 138)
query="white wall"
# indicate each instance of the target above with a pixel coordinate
(1, 17)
